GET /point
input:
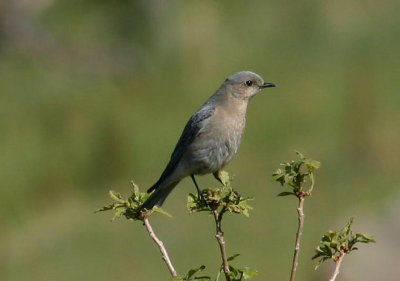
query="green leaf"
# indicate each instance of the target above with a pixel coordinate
(299, 154)
(116, 196)
(191, 275)
(224, 177)
(320, 262)
(192, 272)
(231, 258)
(243, 273)
(135, 188)
(286, 193)
(364, 238)
(248, 273)
(161, 211)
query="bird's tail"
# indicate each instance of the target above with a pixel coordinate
(158, 196)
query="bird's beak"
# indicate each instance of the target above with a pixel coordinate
(267, 85)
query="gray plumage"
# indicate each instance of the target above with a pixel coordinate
(212, 135)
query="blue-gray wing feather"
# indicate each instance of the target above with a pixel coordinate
(191, 130)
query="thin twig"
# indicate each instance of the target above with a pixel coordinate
(160, 245)
(220, 238)
(338, 261)
(298, 236)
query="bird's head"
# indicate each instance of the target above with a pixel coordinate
(245, 84)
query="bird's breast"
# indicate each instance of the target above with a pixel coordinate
(216, 144)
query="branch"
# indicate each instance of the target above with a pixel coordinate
(220, 238)
(160, 245)
(298, 236)
(338, 262)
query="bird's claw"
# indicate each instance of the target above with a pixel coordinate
(238, 195)
(201, 198)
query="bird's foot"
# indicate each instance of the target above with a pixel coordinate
(238, 195)
(201, 198)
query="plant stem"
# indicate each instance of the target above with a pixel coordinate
(298, 236)
(220, 238)
(160, 245)
(338, 262)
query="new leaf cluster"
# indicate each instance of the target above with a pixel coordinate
(295, 174)
(224, 198)
(335, 244)
(130, 207)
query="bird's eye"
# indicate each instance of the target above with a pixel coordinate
(249, 83)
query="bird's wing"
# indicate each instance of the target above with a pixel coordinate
(192, 129)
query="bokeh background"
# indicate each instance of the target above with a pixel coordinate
(95, 93)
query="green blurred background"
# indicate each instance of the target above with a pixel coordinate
(95, 93)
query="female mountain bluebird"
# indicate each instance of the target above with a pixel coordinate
(211, 137)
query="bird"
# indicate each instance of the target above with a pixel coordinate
(211, 137)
